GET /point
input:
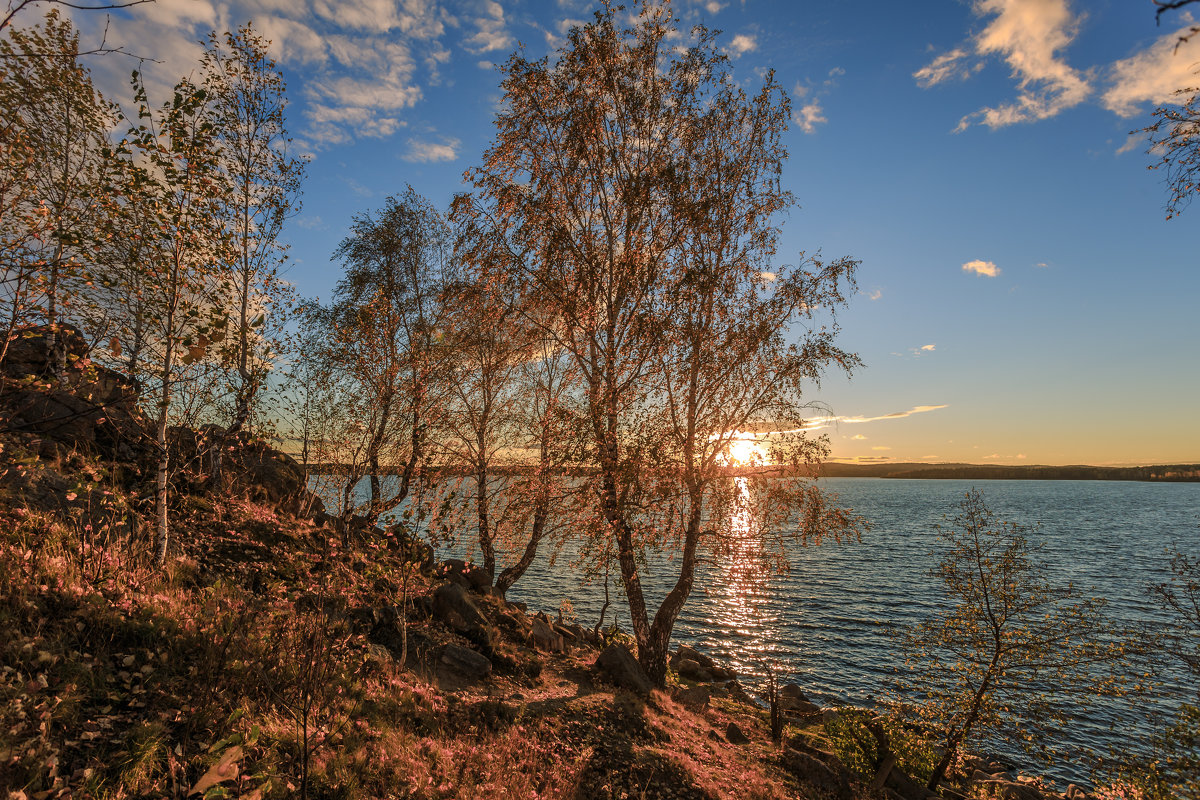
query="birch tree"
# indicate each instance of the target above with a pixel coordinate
(248, 99)
(56, 133)
(641, 243)
(176, 160)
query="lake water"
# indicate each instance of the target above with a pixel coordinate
(827, 623)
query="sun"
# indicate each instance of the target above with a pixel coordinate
(744, 451)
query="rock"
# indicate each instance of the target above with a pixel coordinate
(617, 665)
(453, 606)
(476, 577)
(738, 693)
(466, 662)
(816, 773)
(1074, 792)
(792, 701)
(544, 637)
(1009, 790)
(904, 786)
(694, 671)
(735, 736)
(696, 698)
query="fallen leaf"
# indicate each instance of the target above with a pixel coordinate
(226, 769)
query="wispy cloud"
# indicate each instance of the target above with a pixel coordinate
(1154, 75)
(491, 30)
(874, 294)
(811, 114)
(824, 422)
(986, 268)
(858, 437)
(1029, 35)
(955, 65)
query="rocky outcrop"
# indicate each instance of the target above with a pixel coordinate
(85, 405)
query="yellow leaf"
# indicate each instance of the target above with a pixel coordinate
(224, 770)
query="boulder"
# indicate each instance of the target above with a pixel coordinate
(617, 666)
(453, 606)
(735, 736)
(476, 577)
(544, 637)
(466, 662)
(739, 694)
(693, 671)
(793, 701)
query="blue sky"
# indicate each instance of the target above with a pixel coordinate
(1023, 298)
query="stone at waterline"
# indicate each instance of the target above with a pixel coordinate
(694, 671)
(617, 665)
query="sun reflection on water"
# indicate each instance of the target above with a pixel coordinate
(742, 628)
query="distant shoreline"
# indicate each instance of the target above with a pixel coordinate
(1160, 473)
(1163, 473)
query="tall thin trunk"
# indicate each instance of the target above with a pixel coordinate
(164, 455)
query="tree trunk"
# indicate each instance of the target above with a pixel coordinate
(485, 532)
(164, 455)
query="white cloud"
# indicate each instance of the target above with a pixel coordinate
(767, 276)
(1029, 35)
(1042, 265)
(491, 33)
(742, 43)
(874, 294)
(946, 67)
(810, 116)
(858, 437)
(1154, 75)
(928, 348)
(352, 64)
(985, 268)
(427, 152)
(881, 447)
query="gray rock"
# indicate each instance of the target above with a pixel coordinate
(617, 665)
(466, 662)
(453, 606)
